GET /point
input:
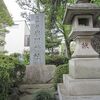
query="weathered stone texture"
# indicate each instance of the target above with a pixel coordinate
(96, 43)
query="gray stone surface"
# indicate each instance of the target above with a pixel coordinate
(83, 31)
(95, 41)
(37, 39)
(29, 89)
(33, 74)
(84, 68)
(81, 87)
(39, 73)
(83, 48)
(81, 9)
(63, 95)
(81, 21)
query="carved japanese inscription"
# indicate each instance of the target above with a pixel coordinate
(85, 45)
(37, 39)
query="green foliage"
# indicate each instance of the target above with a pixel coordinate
(26, 56)
(15, 55)
(58, 77)
(56, 60)
(7, 61)
(11, 74)
(6, 64)
(4, 83)
(18, 73)
(5, 20)
(5, 17)
(43, 95)
(97, 2)
(52, 42)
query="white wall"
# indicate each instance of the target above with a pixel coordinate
(15, 39)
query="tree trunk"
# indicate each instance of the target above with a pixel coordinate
(68, 48)
(52, 51)
(67, 43)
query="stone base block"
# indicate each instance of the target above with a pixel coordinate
(39, 73)
(81, 87)
(84, 68)
(63, 95)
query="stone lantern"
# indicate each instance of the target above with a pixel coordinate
(83, 81)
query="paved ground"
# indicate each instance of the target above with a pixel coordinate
(31, 88)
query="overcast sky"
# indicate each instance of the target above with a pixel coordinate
(14, 9)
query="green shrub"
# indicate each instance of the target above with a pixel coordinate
(11, 73)
(56, 60)
(26, 56)
(43, 95)
(4, 83)
(17, 73)
(58, 77)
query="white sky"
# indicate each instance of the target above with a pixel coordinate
(14, 9)
(15, 39)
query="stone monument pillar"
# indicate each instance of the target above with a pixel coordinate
(37, 39)
(83, 81)
(37, 71)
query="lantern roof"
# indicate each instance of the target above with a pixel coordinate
(81, 9)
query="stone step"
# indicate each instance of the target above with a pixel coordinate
(81, 87)
(35, 86)
(63, 95)
(27, 97)
(29, 89)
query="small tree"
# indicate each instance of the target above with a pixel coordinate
(52, 42)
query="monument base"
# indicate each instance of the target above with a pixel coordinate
(79, 89)
(39, 73)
